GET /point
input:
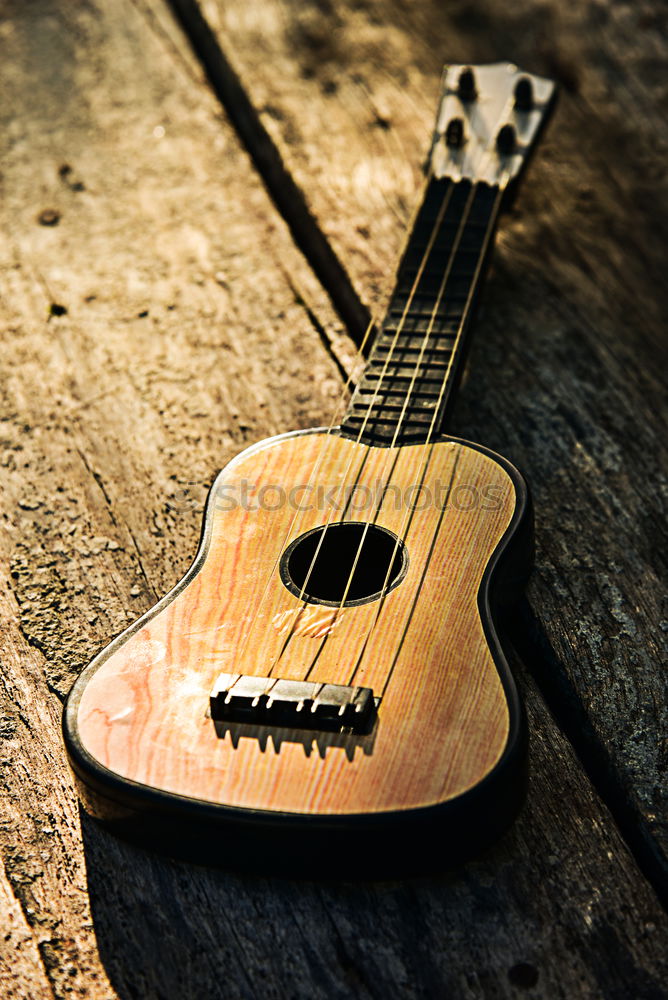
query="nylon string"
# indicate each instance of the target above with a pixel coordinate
(429, 444)
(312, 477)
(394, 458)
(395, 340)
(430, 447)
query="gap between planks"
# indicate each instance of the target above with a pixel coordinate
(284, 191)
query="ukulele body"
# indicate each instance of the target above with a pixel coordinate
(441, 761)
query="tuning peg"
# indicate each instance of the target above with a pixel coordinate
(506, 140)
(454, 133)
(466, 88)
(524, 94)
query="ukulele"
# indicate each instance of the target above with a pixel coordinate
(326, 683)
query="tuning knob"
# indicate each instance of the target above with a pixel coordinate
(506, 140)
(524, 94)
(466, 88)
(454, 133)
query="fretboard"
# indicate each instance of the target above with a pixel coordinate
(417, 356)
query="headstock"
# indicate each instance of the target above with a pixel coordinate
(487, 121)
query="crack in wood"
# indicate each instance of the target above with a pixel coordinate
(534, 648)
(285, 192)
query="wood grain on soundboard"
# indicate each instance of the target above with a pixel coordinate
(443, 719)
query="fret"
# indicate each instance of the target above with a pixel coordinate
(394, 400)
(416, 359)
(418, 326)
(372, 422)
(422, 306)
(417, 339)
(422, 340)
(415, 351)
(423, 336)
(395, 403)
(408, 369)
(425, 377)
(437, 366)
(420, 380)
(399, 386)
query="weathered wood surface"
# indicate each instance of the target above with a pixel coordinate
(568, 368)
(183, 339)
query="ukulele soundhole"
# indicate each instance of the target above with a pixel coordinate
(341, 562)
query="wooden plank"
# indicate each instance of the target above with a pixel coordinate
(48, 946)
(130, 369)
(567, 375)
(107, 415)
(20, 972)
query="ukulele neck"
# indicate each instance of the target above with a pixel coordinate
(416, 361)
